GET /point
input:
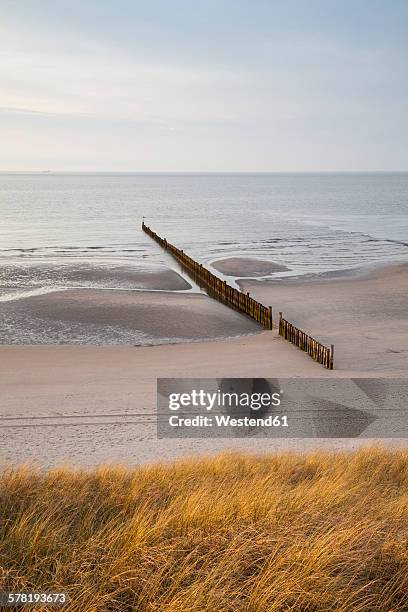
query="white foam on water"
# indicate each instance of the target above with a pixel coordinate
(12, 295)
(312, 223)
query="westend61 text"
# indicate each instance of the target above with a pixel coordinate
(228, 421)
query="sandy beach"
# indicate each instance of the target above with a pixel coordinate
(364, 314)
(112, 317)
(87, 404)
(247, 266)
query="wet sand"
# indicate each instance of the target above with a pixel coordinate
(365, 316)
(86, 274)
(100, 402)
(246, 266)
(111, 317)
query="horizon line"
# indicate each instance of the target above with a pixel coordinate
(204, 172)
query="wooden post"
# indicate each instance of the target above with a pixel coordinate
(331, 356)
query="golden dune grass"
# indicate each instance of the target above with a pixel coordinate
(236, 532)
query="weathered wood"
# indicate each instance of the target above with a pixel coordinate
(317, 351)
(242, 302)
(214, 286)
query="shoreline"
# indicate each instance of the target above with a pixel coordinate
(358, 273)
(369, 330)
(363, 315)
(105, 317)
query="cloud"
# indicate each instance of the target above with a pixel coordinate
(237, 86)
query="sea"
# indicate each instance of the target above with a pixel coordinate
(315, 224)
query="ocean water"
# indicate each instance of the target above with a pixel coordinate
(312, 223)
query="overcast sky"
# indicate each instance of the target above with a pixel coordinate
(178, 85)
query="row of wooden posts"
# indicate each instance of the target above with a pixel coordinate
(216, 287)
(312, 347)
(244, 303)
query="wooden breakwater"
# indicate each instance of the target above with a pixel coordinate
(312, 347)
(214, 286)
(244, 303)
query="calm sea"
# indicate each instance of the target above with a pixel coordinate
(312, 223)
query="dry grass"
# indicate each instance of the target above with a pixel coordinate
(235, 532)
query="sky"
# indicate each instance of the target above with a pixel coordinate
(203, 86)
